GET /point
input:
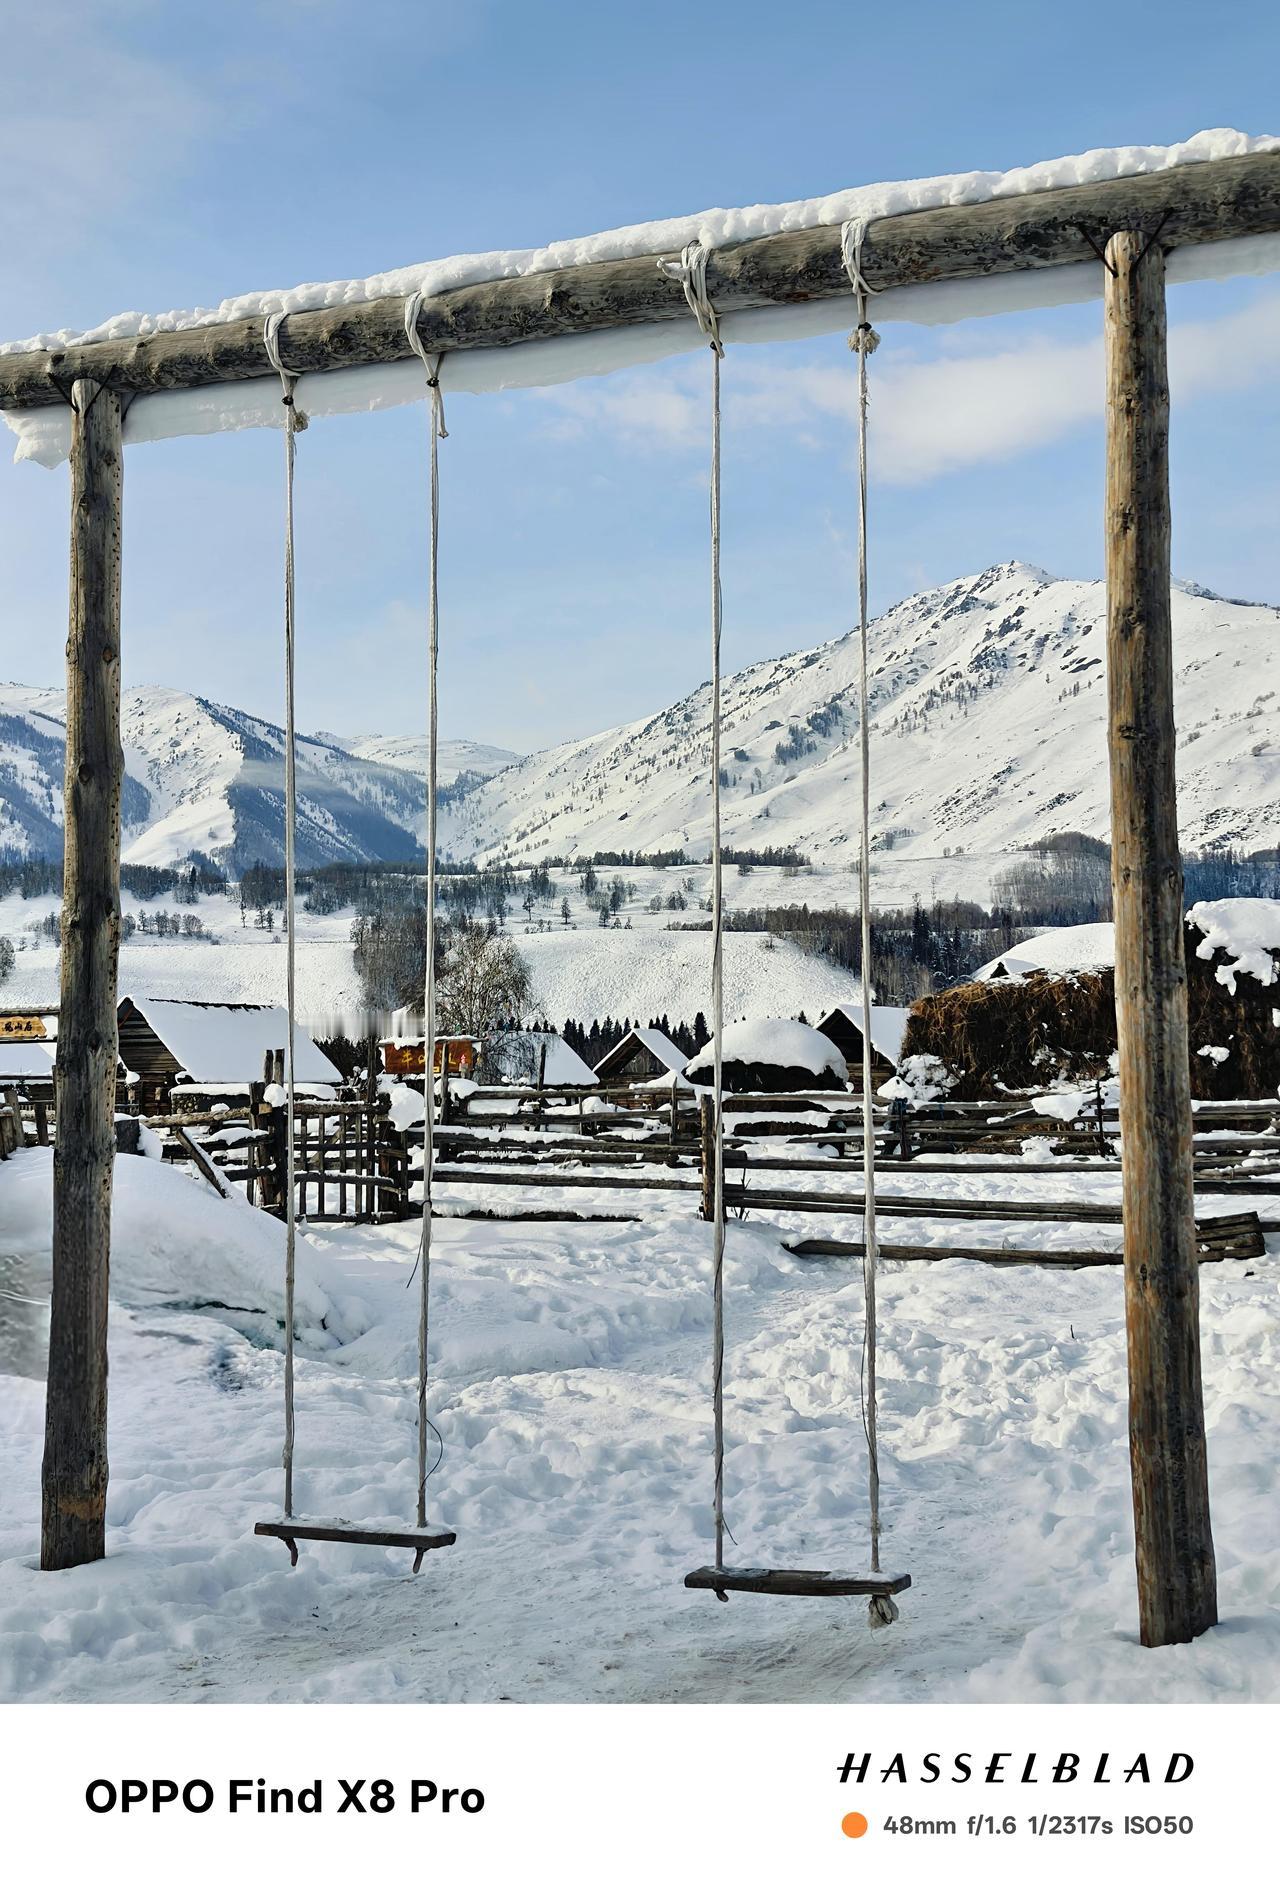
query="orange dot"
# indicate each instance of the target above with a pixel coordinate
(854, 1825)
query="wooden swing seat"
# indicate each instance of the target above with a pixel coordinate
(418, 1540)
(797, 1585)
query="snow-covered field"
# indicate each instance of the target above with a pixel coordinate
(570, 1385)
(245, 965)
(584, 972)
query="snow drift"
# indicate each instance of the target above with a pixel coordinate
(173, 1242)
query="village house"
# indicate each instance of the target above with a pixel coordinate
(843, 1025)
(641, 1055)
(209, 1047)
(28, 1048)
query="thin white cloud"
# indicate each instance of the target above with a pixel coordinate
(928, 418)
(641, 408)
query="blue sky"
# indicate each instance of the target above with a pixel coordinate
(160, 156)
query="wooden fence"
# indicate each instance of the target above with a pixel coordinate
(352, 1164)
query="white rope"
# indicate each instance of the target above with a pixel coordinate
(863, 341)
(412, 309)
(295, 422)
(431, 362)
(852, 236)
(691, 272)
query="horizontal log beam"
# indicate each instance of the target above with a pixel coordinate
(982, 1254)
(1191, 204)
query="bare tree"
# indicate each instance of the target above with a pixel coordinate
(485, 992)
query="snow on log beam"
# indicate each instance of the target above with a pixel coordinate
(1189, 204)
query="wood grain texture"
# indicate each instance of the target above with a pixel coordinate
(73, 1525)
(1177, 1589)
(1193, 203)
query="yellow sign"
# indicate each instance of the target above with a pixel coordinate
(22, 1029)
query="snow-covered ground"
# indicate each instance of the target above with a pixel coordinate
(584, 972)
(570, 1386)
(245, 965)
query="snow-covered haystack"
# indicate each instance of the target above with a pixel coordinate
(1233, 998)
(1017, 1032)
(173, 1241)
(770, 1055)
(1042, 1027)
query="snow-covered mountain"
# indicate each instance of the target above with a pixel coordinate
(988, 731)
(453, 757)
(204, 778)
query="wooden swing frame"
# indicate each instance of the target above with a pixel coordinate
(1131, 224)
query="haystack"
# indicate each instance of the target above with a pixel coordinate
(1032, 1030)
(771, 1055)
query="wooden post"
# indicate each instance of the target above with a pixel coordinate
(73, 1516)
(279, 1125)
(1177, 1589)
(368, 1126)
(300, 1165)
(10, 1123)
(342, 1165)
(707, 1149)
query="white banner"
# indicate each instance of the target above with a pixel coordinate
(660, 1794)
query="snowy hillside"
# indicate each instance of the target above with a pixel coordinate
(593, 973)
(409, 751)
(587, 973)
(205, 778)
(988, 732)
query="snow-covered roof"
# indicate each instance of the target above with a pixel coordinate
(1069, 947)
(565, 1067)
(776, 1043)
(227, 1041)
(23, 1060)
(44, 433)
(19, 1060)
(659, 1045)
(1246, 930)
(888, 1025)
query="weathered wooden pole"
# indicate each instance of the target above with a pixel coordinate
(73, 1521)
(1177, 1588)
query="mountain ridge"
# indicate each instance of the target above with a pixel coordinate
(988, 733)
